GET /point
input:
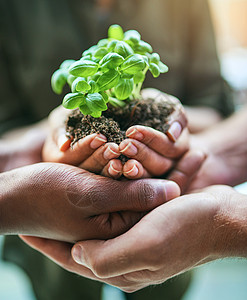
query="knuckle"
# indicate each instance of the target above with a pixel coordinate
(145, 195)
(99, 268)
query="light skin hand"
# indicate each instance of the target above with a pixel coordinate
(164, 243)
(226, 145)
(34, 200)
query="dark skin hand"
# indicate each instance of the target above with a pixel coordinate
(69, 204)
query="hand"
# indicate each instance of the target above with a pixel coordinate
(22, 149)
(152, 153)
(226, 146)
(171, 239)
(91, 153)
(69, 204)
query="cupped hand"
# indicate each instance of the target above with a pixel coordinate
(67, 203)
(151, 152)
(171, 239)
(91, 153)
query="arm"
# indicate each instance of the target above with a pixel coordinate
(226, 145)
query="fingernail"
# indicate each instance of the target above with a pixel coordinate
(98, 141)
(132, 172)
(63, 142)
(172, 190)
(134, 133)
(112, 170)
(174, 131)
(77, 253)
(130, 149)
(110, 153)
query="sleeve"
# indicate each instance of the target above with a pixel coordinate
(204, 85)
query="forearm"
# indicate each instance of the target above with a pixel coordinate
(226, 145)
(13, 210)
(22, 147)
(201, 118)
(231, 226)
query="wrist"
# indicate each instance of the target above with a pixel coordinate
(231, 225)
(22, 150)
(13, 206)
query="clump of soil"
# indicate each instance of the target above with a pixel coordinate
(115, 121)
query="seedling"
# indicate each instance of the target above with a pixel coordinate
(113, 71)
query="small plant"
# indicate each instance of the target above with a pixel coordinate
(112, 71)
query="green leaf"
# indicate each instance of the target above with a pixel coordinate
(80, 85)
(127, 76)
(139, 77)
(123, 49)
(58, 80)
(73, 100)
(85, 109)
(105, 96)
(143, 47)
(95, 102)
(100, 52)
(115, 32)
(83, 68)
(162, 67)
(111, 61)
(102, 43)
(111, 45)
(124, 88)
(154, 69)
(94, 86)
(133, 36)
(90, 50)
(133, 64)
(155, 58)
(108, 80)
(96, 114)
(67, 63)
(70, 79)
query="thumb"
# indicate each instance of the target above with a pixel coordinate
(107, 195)
(112, 257)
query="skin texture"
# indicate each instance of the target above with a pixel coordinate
(158, 248)
(34, 200)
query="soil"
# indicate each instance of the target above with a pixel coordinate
(115, 121)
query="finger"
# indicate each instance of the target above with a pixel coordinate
(153, 162)
(187, 168)
(114, 169)
(104, 195)
(100, 158)
(59, 252)
(126, 249)
(133, 169)
(158, 141)
(80, 151)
